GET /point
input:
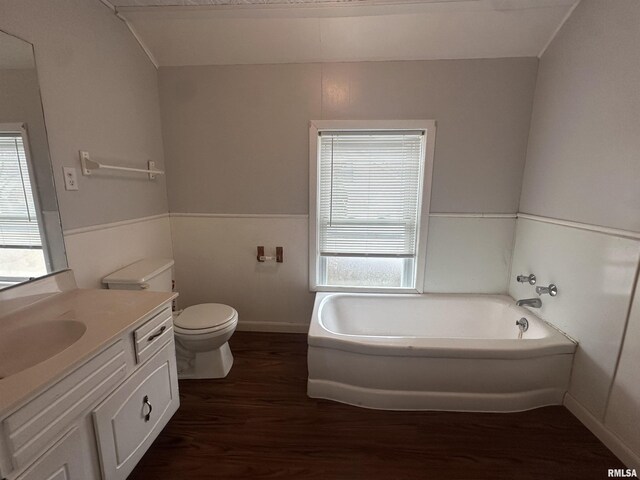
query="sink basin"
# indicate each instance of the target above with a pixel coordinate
(26, 346)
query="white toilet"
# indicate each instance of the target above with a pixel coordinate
(202, 331)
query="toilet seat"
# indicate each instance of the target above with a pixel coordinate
(205, 318)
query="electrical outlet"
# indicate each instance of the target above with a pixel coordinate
(70, 178)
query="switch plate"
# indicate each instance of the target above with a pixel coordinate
(70, 178)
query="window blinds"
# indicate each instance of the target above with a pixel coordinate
(18, 219)
(369, 191)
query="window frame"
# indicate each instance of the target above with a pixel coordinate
(316, 126)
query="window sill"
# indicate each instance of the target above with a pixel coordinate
(336, 289)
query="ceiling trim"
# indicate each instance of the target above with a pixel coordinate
(337, 8)
(138, 38)
(108, 4)
(133, 31)
(557, 30)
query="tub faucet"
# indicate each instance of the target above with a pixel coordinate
(550, 290)
(530, 279)
(529, 302)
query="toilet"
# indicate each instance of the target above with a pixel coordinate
(202, 331)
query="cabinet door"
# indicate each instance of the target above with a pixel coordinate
(63, 461)
(37, 424)
(130, 419)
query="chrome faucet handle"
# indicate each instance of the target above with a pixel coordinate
(523, 324)
(551, 290)
(530, 279)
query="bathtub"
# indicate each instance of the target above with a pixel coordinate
(434, 352)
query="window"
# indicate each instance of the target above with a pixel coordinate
(21, 253)
(370, 187)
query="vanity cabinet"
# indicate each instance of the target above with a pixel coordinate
(38, 423)
(128, 421)
(97, 421)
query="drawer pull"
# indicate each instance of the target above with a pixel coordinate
(156, 335)
(145, 403)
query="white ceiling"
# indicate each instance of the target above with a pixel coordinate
(270, 31)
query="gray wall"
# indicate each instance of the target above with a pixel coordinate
(583, 157)
(236, 137)
(236, 142)
(100, 94)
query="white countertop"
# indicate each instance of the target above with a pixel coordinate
(106, 314)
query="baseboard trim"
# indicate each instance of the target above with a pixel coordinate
(275, 327)
(606, 436)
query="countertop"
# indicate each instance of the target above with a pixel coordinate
(107, 314)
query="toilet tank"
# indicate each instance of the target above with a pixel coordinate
(152, 274)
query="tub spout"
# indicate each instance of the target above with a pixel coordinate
(529, 302)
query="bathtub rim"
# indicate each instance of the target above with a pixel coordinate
(556, 342)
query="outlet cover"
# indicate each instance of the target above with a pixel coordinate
(70, 178)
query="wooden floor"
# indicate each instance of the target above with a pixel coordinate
(258, 423)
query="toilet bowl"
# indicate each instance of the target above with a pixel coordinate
(201, 331)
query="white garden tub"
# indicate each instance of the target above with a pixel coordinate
(434, 352)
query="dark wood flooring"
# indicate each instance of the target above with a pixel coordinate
(258, 423)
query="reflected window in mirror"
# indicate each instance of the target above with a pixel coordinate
(21, 254)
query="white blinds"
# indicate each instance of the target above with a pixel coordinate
(370, 189)
(18, 219)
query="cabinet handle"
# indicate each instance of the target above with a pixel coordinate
(157, 334)
(145, 403)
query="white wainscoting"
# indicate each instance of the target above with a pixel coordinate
(623, 410)
(216, 262)
(469, 253)
(595, 273)
(594, 269)
(608, 436)
(94, 252)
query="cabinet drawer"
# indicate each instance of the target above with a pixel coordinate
(151, 336)
(130, 419)
(32, 428)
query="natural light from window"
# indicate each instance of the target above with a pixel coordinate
(368, 194)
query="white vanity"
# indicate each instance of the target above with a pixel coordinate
(87, 377)
(101, 390)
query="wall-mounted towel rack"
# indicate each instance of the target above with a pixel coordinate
(88, 165)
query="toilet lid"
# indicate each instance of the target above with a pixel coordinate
(206, 315)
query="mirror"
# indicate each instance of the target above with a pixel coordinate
(31, 241)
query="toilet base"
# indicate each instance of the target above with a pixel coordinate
(212, 364)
